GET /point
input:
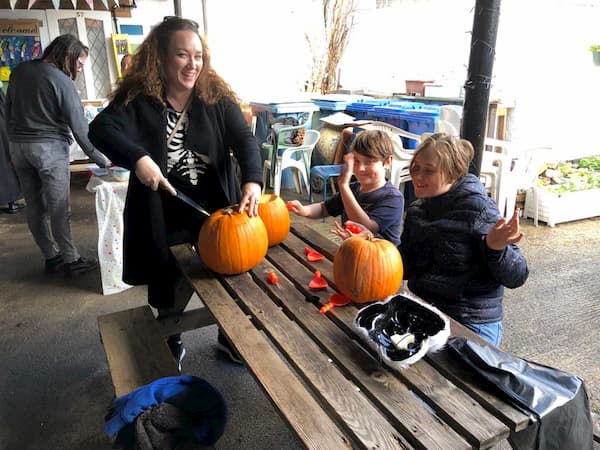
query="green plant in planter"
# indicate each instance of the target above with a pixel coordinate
(595, 49)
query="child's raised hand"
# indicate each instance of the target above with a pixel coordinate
(346, 169)
(504, 233)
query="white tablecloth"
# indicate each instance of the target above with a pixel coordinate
(110, 200)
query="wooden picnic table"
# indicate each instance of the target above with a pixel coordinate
(328, 386)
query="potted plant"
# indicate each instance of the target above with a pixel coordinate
(595, 49)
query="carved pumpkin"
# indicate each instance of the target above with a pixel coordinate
(367, 268)
(231, 242)
(276, 217)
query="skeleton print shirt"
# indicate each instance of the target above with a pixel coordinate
(192, 169)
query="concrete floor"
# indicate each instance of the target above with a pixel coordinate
(55, 385)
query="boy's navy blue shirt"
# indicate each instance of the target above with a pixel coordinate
(384, 205)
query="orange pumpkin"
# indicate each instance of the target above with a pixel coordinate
(367, 268)
(276, 217)
(231, 242)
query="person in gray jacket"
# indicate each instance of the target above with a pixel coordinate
(43, 114)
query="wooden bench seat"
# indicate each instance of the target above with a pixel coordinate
(136, 349)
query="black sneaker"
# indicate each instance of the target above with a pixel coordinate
(177, 349)
(224, 346)
(14, 207)
(80, 266)
(54, 264)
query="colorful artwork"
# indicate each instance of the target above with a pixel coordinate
(121, 47)
(14, 49)
(19, 41)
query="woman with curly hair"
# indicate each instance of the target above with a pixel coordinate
(175, 123)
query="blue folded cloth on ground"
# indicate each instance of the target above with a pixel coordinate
(192, 395)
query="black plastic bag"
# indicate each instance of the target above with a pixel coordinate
(557, 400)
(402, 329)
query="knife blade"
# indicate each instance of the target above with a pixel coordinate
(192, 203)
(187, 200)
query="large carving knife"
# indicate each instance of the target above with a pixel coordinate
(185, 199)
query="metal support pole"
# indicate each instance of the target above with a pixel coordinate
(204, 18)
(177, 7)
(113, 13)
(479, 76)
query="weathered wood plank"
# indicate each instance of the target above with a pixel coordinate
(135, 348)
(297, 406)
(315, 239)
(408, 414)
(342, 399)
(295, 246)
(186, 321)
(460, 376)
(458, 409)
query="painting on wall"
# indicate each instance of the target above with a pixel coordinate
(121, 47)
(19, 41)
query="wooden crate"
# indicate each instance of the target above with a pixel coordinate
(553, 208)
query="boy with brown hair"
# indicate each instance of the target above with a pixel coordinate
(372, 201)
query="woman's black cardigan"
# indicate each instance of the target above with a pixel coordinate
(125, 134)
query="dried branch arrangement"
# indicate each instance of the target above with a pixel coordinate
(338, 19)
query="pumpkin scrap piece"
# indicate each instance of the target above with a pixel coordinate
(335, 299)
(326, 308)
(354, 229)
(313, 255)
(318, 282)
(273, 278)
(338, 299)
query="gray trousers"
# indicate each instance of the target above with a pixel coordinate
(43, 171)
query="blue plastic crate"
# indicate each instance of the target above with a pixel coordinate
(331, 105)
(393, 116)
(419, 123)
(360, 109)
(407, 104)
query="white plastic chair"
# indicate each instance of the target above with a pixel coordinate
(451, 118)
(443, 126)
(402, 158)
(494, 165)
(523, 175)
(284, 139)
(399, 173)
(298, 158)
(376, 125)
(505, 172)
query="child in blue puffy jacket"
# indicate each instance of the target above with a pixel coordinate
(458, 252)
